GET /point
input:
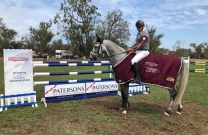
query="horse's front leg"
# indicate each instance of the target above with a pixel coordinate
(125, 98)
(172, 93)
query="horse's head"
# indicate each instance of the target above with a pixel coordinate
(98, 49)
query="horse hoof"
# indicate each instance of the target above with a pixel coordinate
(178, 112)
(124, 113)
(167, 113)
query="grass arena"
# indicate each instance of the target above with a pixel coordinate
(100, 115)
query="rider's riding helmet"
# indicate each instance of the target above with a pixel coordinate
(139, 23)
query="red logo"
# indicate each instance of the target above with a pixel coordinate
(50, 89)
(90, 86)
(18, 58)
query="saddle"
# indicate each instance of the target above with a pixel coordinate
(160, 70)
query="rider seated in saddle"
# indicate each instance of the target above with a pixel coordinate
(140, 47)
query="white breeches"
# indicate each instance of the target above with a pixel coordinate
(139, 56)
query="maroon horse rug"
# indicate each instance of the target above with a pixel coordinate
(160, 70)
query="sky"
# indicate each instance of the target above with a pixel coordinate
(184, 20)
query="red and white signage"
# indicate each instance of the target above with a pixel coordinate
(64, 89)
(92, 87)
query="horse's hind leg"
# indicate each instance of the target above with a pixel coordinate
(125, 96)
(180, 107)
(172, 93)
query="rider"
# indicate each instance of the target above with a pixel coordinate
(140, 47)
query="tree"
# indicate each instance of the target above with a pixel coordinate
(179, 50)
(114, 28)
(154, 39)
(6, 36)
(162, 51)
(205, 48)
(29, 42)
(56, 45)
(76, 22)
(198, 49)
(77, 52)
(39, 38)
(16, 45)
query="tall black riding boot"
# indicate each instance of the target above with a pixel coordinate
(137, 78)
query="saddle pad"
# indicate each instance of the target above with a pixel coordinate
(160, 70)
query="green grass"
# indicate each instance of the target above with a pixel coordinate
(156, 122)
(99, 115)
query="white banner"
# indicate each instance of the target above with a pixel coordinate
(18, 71)
(94, 87)
(64, 89)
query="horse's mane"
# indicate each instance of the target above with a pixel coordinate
(114, 46)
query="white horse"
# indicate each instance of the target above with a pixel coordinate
(116, 55)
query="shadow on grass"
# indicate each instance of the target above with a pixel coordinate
(112, 104)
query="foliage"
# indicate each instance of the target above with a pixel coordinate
(76, 22)
(15, 45)
(205, 47)
(162, 51)
(154, 40)
(198, 49)
(38, 39)
(179, 50)
(7, 36)
(114, 28)
(57, 45)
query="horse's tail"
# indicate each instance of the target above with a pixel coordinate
(184, 73)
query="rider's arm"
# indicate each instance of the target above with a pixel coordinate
(136, 46)
(144, 39)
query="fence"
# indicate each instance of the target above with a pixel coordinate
(88, 84)
(19, 61)
(197, 63)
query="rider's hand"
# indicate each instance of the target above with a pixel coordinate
(130, 49)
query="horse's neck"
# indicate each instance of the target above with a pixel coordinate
(115, 52)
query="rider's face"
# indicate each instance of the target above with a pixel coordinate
(140, 28)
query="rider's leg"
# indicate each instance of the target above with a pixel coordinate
(137, 78)
(139, 56)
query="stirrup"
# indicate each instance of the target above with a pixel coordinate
(136, 80)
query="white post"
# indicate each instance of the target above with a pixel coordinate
(187, 60)
(2, 102)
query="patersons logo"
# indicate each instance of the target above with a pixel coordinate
(18, 58)
(64, 90)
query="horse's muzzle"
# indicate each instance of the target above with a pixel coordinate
(93, 58)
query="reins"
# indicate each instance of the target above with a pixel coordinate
(113, 54)
(117, 54)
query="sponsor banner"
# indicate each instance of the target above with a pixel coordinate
(79, 90)
(101, 87)
(64, 90)
(18, 71)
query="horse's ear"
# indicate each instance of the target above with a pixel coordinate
(98, 38)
